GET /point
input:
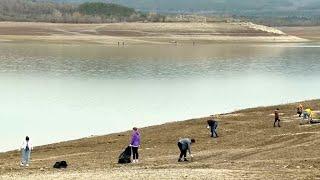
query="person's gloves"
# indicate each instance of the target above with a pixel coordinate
(130, 145)
(208, 127)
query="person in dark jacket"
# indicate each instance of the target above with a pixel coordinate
(213, 125)
(184, 145)
(300, 110)
(276, 118)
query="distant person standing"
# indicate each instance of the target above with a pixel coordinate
(276, 118)
(26, 152)
(213, 125)
(184, 145)
(135, 144)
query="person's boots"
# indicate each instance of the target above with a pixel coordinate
(179, 160)
(185, 159)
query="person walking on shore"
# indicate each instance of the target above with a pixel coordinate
(276, 118)
(212, 124)
(26, 152)
(135, 144)
(184, 145)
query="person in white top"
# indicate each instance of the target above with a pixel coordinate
(26, 152)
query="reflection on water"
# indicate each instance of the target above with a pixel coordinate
(59, 92)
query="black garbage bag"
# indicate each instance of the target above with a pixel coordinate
(60, 164)
(125, 156)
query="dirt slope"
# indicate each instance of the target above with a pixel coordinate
(248, 147)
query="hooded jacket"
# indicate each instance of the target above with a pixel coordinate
(135, 139)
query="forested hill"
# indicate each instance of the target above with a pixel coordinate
(268, 12)
(240, 6)
(45, 11)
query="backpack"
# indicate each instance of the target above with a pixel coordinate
(125, 156)
(60, 164)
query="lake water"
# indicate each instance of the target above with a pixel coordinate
(61, 92)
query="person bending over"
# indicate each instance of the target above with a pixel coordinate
(212, 124)
(184, 145)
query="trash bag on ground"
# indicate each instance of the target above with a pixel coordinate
(125, 156)
(60, 164)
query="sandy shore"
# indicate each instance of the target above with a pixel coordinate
(249, 147)
(142, 33)
(311, 33)
(181, 173)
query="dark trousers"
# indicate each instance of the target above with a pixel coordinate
(135, 153)
(275, 121)
(214, 130)
(183, 151)
(300, 113)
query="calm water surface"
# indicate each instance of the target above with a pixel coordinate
(61, 92)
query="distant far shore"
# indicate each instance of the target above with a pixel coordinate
(142, 33)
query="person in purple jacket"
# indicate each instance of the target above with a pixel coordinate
(135, 144)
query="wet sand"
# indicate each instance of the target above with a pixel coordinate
(249, 147)
(309, 32)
